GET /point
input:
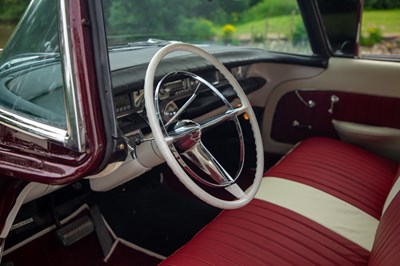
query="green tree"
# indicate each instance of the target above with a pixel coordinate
(269, 8)
(381, 4)
(196, 29)
(168, 18)
(12, 10)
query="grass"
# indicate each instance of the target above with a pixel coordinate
(389, 20)
(279, 24)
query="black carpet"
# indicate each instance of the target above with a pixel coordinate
(152, 215)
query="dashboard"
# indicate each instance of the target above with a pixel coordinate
(133, 102)
(174, 92)
(128, 80)
(128, 87)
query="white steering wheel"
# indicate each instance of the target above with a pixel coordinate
(183, 137)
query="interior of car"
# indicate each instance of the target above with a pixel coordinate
(127, 141)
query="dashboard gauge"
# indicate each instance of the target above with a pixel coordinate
(123, 103)
(138, 98)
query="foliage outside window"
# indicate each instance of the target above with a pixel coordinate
(380, 31)
(268, 24)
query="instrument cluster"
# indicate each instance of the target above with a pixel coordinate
(130, 105)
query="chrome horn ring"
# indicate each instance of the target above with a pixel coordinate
(163, 142)
(185, 135)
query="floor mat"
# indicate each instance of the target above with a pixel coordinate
(149, 214)
(46, 250)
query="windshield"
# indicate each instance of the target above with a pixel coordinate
(31, 82)
(35, 36)
(267, 24)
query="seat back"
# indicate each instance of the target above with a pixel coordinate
(386, 248)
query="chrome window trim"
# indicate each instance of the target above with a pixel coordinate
(31, 127)
(73, 136)
(75, 130)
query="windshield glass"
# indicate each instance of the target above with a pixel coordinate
(35, 36)
(268, 24)
(31, 83)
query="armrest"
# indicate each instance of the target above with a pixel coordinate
(381, 140)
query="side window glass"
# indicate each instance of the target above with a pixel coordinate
(31, 81)
(380, 31)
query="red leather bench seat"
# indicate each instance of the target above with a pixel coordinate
(386, 249)
(354, 175)
(262, 233)
(265, 232)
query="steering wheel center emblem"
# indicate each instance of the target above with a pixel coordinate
(189, 133)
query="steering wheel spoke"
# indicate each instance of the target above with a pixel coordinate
(236, 191)
(179, 138)
(203, 159)
(184, 106)
(228, 115)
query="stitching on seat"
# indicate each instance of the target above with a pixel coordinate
(354, 223)
(316, 230)
(196, 246)
(265, 251)
(321, 147)
(213, 251)
(388, 232)
(195, 258)
(301, 233)
(344, 196)
(355, 165)
(277, 243)
(334, 185)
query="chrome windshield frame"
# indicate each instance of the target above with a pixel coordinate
(73, 137)
(75, 131)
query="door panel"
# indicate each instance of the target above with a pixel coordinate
(294, 121)
(368, 94)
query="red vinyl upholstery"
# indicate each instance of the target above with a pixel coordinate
(342, 170)
(263, 233)
(386, 249)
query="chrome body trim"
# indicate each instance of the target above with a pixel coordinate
(72, 137)
(75, 131)
(32, 127)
